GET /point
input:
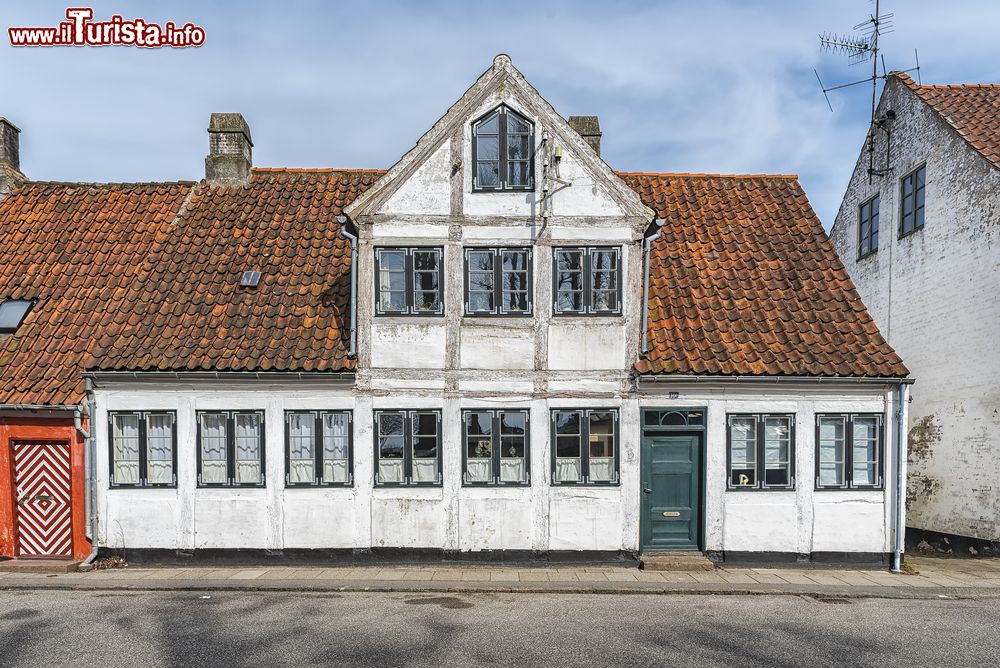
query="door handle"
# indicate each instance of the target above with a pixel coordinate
(646, 490)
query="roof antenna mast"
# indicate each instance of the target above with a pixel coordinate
(860, 48)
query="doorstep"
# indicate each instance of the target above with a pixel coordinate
(675, 561)
(38, 565)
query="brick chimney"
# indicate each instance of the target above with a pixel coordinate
(10, 158)
(230, 150)
(589, 128)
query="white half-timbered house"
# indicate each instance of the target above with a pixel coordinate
(499, 346)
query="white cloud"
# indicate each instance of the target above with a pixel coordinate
(717, 86)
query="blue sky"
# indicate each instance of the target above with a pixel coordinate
(709, 86)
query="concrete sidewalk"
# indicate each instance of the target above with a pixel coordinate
(935, 578)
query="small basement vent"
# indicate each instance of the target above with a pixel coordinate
(250, 279)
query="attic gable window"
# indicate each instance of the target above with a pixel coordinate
(502, 152)
(12, 314)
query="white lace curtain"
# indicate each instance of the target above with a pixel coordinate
(213, 448)
(126, 449)
(159, 449)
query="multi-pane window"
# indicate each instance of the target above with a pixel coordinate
(497, 281)
(409, 281)
(231, 448)
(496, 447)
(761, 451)
(502, 151)
(317, 448)
(911, 209)
(868, 227)
(587, 280)
(408, 447)
(585, 446)
(849, 451)
(143, 448)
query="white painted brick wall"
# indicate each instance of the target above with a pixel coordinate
(936, 297)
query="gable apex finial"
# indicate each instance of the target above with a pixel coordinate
(501, 61)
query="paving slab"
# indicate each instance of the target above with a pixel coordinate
(947, 578)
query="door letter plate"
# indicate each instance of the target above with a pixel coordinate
(671, 513)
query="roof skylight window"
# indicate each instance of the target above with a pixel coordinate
(12, 313)
(250, 279)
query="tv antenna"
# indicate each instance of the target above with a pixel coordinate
(861, 47)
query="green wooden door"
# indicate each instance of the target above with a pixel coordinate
(671, 491)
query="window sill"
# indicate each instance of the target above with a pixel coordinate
(437, 319)
(586, 485)
(910, 233)
(571, 318)
(325, 485)
(849, 489)
(866, 256)
(489, 320)
(759, 490)
(496, 485)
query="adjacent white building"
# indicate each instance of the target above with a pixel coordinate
(918, 232)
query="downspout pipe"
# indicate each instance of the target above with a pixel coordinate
(647, 251)
(90, 468)
(899, 528)
(344, 222)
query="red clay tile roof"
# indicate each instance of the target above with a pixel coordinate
(75, 248)
(145, 277)
(190, 312)
(973, 110)
(744, 281)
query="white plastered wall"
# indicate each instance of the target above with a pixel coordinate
(452, 517)
(800, 521)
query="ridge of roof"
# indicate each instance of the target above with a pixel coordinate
(697, 175)
(968, 109)
(908, 80)
(109, 184)
(314, 170)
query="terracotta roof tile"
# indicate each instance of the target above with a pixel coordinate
(972, 110)
(145, 277)
(75, 248)
(190, 312)
(744, 281)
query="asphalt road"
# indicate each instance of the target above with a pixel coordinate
(71, 628)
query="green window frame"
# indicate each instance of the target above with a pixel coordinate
(142, 448)
(868, 227)
(498, 281)
(231, 448)
(585, 446)
(503, 152)
(911, 201)
(840, 439)
(587, 280)
(496, 447)
(319, 448)
(760, 451)
(409, 281)
(408, 448)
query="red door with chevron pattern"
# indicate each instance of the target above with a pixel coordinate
(43, 521)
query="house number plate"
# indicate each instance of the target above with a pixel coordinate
(671, 513)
